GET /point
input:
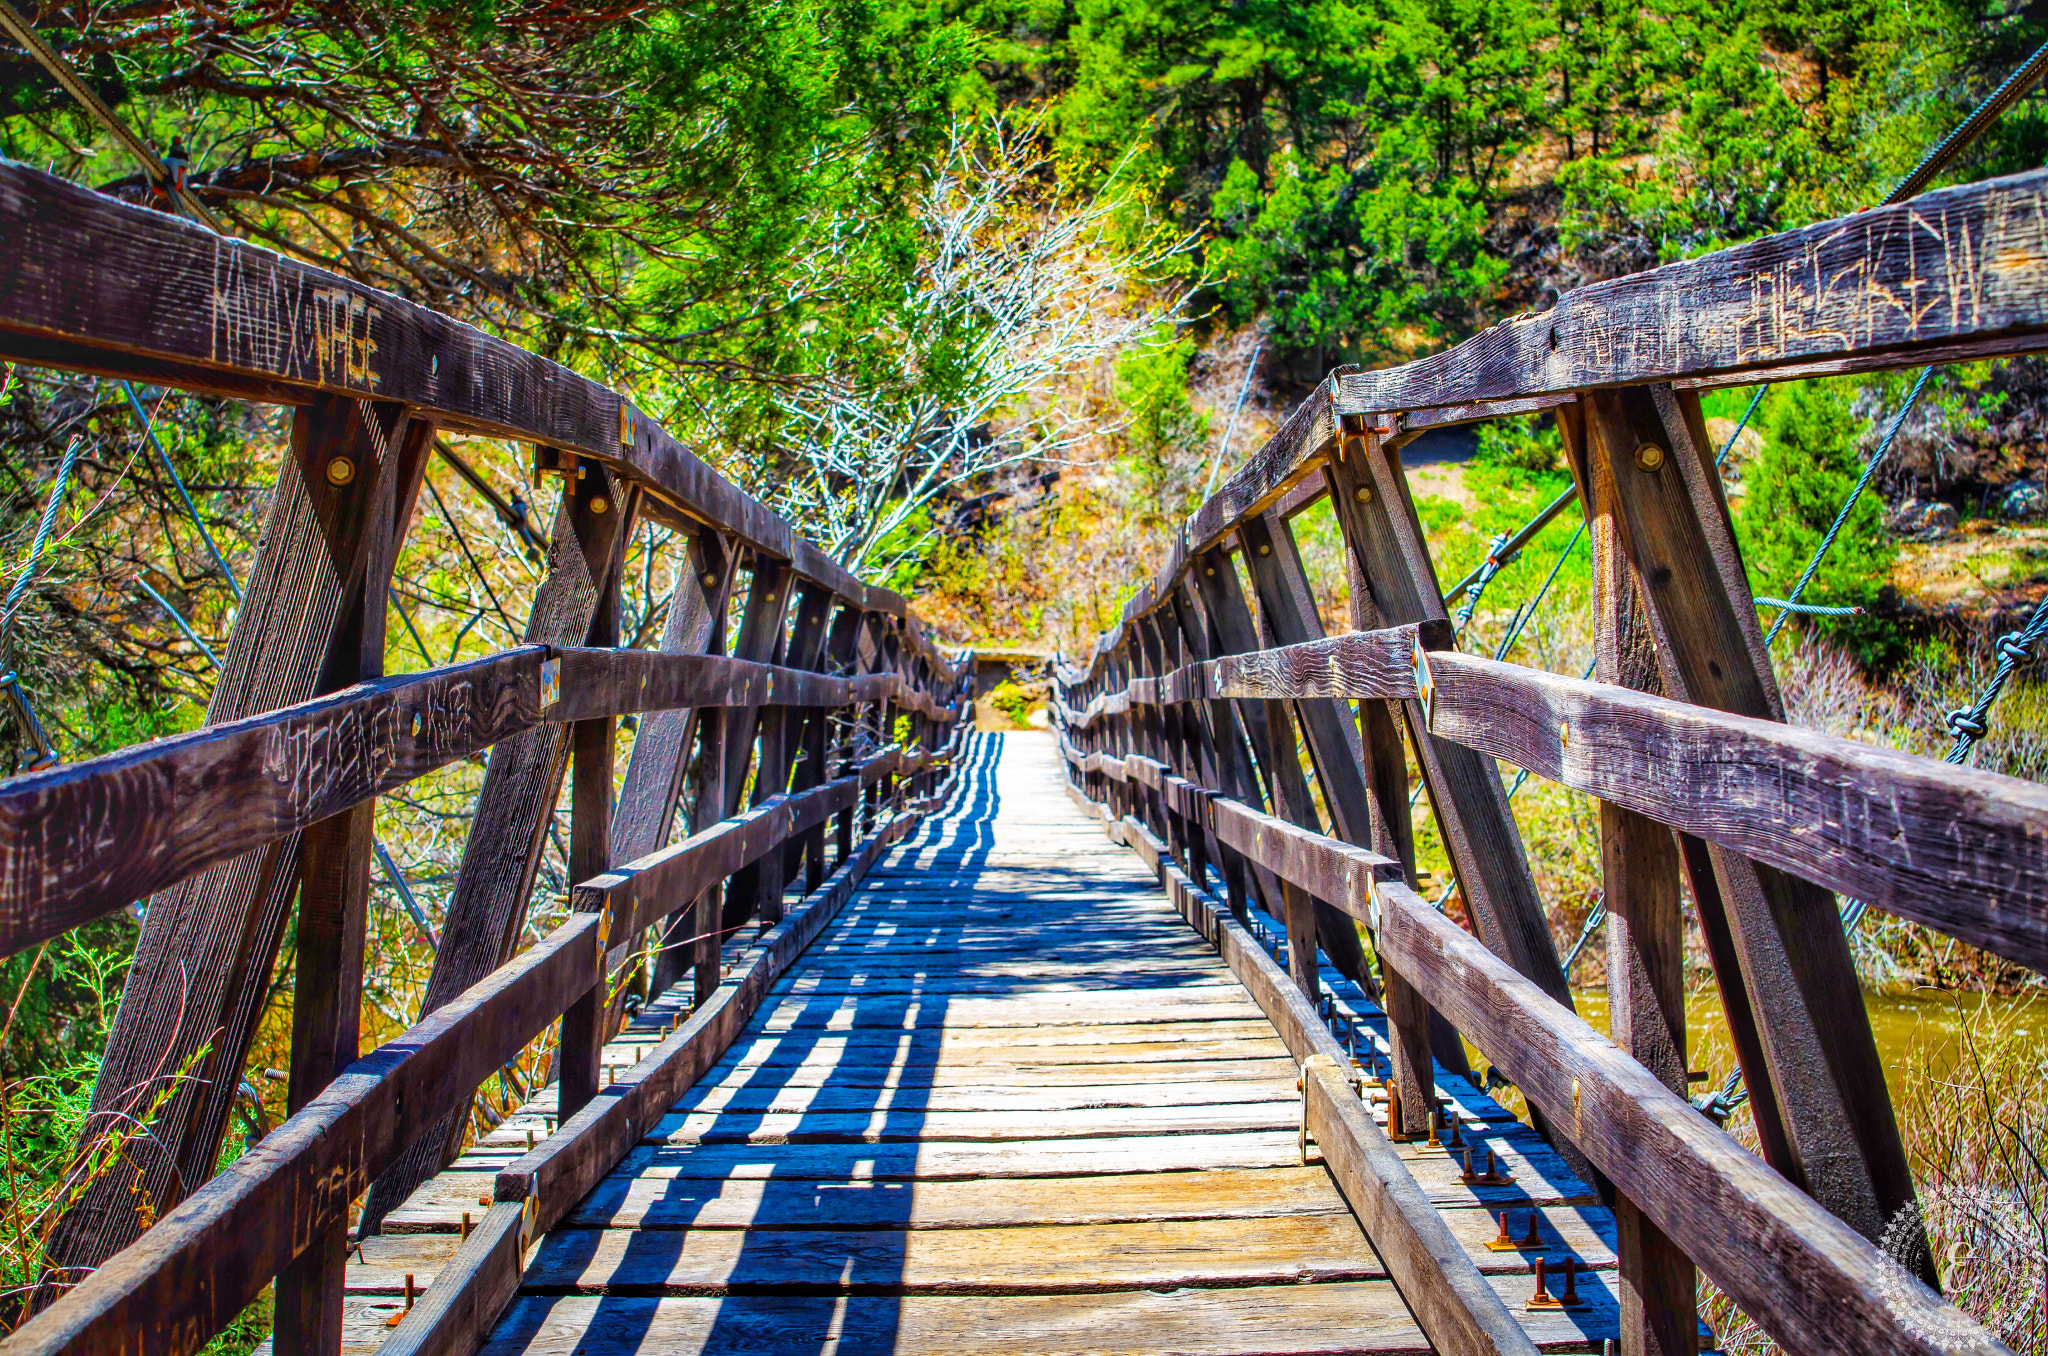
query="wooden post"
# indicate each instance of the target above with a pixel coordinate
(760, 640)
(1639, 870)
(707, 918)
(494, 883)
(1288, 609)
(661, 749)
(334, 900)
(1369, 494)
(1823, 1112)
(1226, 759)
(594, 745)
(1270, 725)
(203, 961)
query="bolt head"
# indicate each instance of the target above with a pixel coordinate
(1649, 456)
(1264, 549)
(710, 580)
(1564, 732)
(340, 471)
(1363, 494)
(600, 505)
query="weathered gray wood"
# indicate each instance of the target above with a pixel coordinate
(207, 946)
(1444, 1290)
(1369, 493)
(187, 1277)
(106, 287)
(473, 1289)
(1819, 1286)
(1859, 292)
(1822, 1061)
(1639, 866)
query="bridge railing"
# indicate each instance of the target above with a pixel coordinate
(819, 739)
(1187, 724)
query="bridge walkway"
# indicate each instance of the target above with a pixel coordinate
(1007, 1102)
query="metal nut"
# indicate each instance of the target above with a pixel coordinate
(1363, 494)
(1649, 456)
(1264, 549)
(599, 504)
(340, 471)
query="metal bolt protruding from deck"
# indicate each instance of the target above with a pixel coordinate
(1649, 456)
(1542, 1295)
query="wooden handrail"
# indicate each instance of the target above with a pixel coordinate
(1956, 848)
(185, 1279)
(84, 839)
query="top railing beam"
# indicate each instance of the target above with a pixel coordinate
(96, 285)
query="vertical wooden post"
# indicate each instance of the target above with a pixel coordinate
(1369, 494)
(1226, 759)
(706, 919)
(334, 876)
(522, 781)
(1639, 870)
(593, 745)
(661, 749)
(760, 640)
(1823, 1112)
(204, 958)
(1270, 725)
(1288, 609)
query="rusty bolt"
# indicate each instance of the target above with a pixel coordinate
(340, 471)
(1649, 456)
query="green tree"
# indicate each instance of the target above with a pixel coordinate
(1812, 455)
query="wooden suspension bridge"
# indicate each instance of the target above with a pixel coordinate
(1025, 1044)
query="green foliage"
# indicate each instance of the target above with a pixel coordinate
(1521, 443)
(1013, 701)
(1795, 486)
(1152, 383)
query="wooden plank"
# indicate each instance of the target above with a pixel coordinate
(107, 287)
(1442, 1287)
(1320, 1320)
(622, 1202)
(202, 1264)
(193, 993)
(1818, 1286)
(1830, 1094)
(548, 1179)
(1639, 871)
(1050, 1259)
(892, 1125)
(1863, 291)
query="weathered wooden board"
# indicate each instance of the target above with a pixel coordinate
(1314, 1320)
(1049, 1259)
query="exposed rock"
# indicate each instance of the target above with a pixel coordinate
(1922, 520)
(2023, 499)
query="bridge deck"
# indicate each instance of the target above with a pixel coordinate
(1007, 1102)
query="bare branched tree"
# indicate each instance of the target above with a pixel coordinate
(1019, 289)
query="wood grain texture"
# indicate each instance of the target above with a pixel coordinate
(211, 313)
(186, 1278)
(1818, 1285)
(522, 781)
(1951, 267)
(193, 993)
(1449, 1298)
